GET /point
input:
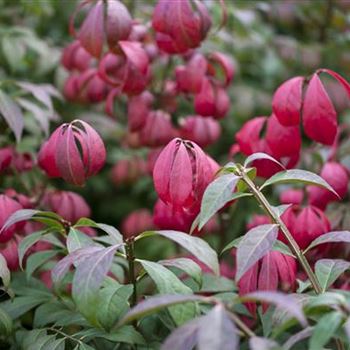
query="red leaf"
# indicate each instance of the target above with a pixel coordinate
(287, 101)
(91, 33)
(319, 115)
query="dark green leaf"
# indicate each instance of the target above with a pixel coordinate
(167, 283)
(36, 260)
(26, 243)
(5, 323)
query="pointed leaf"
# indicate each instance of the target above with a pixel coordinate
(217, 194)
(77, 239)
(5, 323)
(328, 271)
(36, 260)
(299, 176)
(217, 331)
(259, 156)
(283, 301)
(305, 333)
(196, 246)
(156, 303)
(256, 243)
(12, 115)
(4, 272)
(330, 237)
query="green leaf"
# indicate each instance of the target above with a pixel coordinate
(77, 239)
(325, 329)
(259, 343)
(5, 274)
(5, 323)
(167, 283)
(58, 344)
(12, 114)
(255, 244)
(330, 237)
(217, 194)
(196, 246)
(20, 305)
(26, 243)
(328, 271)
(88, 278)
(297, 337)
(186, 265)
(217, 331)
(259, 156)
(113, 303)
(216, 284)
(299, 176)
(112, 232)
(14, 52)
(42, 343)
(36, 260)
(157, 303)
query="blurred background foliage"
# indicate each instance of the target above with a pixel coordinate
(270, 41)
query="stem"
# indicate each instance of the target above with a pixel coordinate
(276, 219)
(131, 259)
(240, 324)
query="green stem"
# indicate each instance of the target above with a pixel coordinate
(276, 219)
(131, 260)
(241, 325)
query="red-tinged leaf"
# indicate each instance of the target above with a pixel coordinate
(118, 23)
(157, 303)
(136, 55)
(319, 114)
(163, 166)
(63, 266)
(88, 278)
(255, 244)
(330, 237)
(297, 337)
(283, 301)
(12, 114)
(341, 80)
(91, 33)
(68, 158)
(217, 331)
(180, 184)
(183, 338)
(287, 101)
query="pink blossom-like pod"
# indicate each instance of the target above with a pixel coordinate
(158, 129)
(287, 101)
(178, 26)
(181, 174)
(136, 222)
(319, 114)
(203, 131)
(75, 57)
(74, 152)
(305, 224)
(107, 22)
(6, 155)
(292, 196)
(138, 109)
(8, 206)
(226, 65)
(274, 270)
(70, 205)
(10, 252)
(189, 78)
(337, 176)
(127, 171)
